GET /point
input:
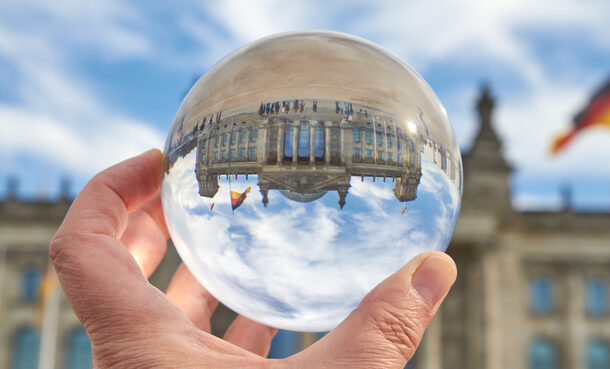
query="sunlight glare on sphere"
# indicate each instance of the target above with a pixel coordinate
(302, 170)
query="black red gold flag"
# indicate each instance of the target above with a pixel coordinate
(596, 113)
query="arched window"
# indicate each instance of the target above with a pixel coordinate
(598, 354)
(543, 354)
(26, 346)
(78, 350)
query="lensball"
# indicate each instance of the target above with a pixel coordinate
(302, 170)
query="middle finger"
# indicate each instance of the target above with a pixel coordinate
(194, 300)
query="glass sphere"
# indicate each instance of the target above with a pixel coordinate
(302, 170)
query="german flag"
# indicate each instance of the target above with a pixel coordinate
(237, 198)
(597, 112)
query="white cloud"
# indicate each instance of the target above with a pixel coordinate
(311, 260)
(83, 151)
(111, 29)
(58, 117)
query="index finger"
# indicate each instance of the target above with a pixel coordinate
(103, 204)
(98, 274)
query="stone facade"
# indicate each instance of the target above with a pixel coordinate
(310, 154)
(532, 286)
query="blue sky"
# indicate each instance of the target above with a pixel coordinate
(87, 84)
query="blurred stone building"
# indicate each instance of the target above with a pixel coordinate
(533, 289)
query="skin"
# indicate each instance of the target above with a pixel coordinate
(113, 238)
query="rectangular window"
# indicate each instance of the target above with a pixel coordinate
(541, 296)
(242, 152)
(369, 154)
(368, 136)
(357, 153)
(397, 139)
(288, 142)
(30, 284)
(390, 156)
(254, 134)
(597, 297)
(379, 155)
(233, 138)
(224, 154)
(224, 139)
(356, 134)
(303, 148)
(411, 146)
(253, 152)
(217, 141)
(318, 150)
(232, 153)
(379, 141)
(216, 155)
(242, 135)
(390, 139)
(411, 161)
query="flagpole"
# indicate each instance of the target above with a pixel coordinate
(2, 268)
(50, 321)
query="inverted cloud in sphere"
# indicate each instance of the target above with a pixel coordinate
(301, 256)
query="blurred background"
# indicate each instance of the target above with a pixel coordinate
(84, 85)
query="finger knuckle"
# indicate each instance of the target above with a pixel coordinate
(58, 247)
(400, 327)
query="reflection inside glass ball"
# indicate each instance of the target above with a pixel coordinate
(304, 169)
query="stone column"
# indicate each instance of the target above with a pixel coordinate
(327, 140)
(430, 354)
(295, 144)
(572, 346)
(247, 147)
(261, 144)
(493, 313)
(342, 153)
(312, 136)
(280, 144)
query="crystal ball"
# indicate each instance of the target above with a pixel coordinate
(302, 170)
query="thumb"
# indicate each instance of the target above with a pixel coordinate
(385, 330)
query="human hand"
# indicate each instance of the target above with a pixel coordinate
(113, 238)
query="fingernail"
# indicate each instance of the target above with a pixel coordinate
(433, 278)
